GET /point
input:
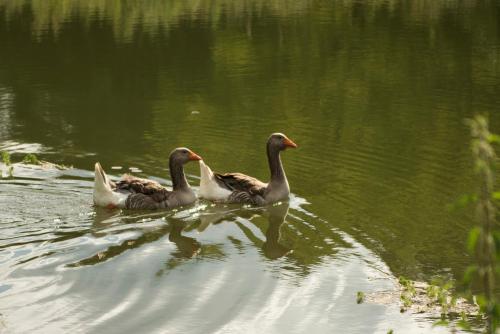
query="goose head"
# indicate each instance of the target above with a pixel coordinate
(178, 158)
(182, 155)
(280, 142)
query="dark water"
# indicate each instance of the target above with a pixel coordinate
(374, 92)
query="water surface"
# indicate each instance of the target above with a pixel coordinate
(374, 92)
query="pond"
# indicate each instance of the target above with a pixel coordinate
(375, 94)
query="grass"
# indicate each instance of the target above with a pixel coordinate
(8, 163)
(407, 293)
(31, 159)
(360, 297)
(440, 292)
(6, 158)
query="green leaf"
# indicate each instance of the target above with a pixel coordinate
(440, 323)
(463, 201)
(31, 159)
(481, 301)
(496, 195)
(404, 281)
(493, 138)
(470, 272)
(463, 324)
(5, 158)
(472, 239)
(360, 297)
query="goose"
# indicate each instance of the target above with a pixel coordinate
(136, 193)
(241, 188)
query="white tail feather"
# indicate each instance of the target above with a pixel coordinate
(205, 173)
(103, 192)
(209, 188)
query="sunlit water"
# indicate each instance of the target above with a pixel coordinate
(374, 92)
(204, 268)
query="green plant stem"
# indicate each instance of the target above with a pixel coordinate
(484, 155)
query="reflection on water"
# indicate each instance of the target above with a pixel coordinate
(214, 267)
(271, 247)
(374, 92)
(187, 247)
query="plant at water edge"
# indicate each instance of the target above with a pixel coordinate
(407, 293)
(463, 322)
(8, 164)
(6, 158)
(360, 297)
(31, 159)
(484, 239)
(440, 293)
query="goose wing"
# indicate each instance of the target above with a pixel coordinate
(241, 183)
(138, 185)
(144, 193)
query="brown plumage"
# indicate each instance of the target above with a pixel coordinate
(137, 193)
(244, 188)
(241, 188)
(242, 182)
(143, 193)
(134, 184)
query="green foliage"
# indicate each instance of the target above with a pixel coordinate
(407, 302)
(463, 323)
(494, 139)
(8, 163)
(442, 322)
(473, 237)
(6, 158)
(407, 285)
(463, 201)
(408, 292)
(360, 297)
(390, 331)
(484, 239)
(440, 293)
(470, 273)
(31, 159)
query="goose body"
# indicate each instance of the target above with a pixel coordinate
(137, 193)
(241, 188)
(104, 190)
(209, 187)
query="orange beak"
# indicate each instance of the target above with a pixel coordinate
(289, 143)
(194, 156)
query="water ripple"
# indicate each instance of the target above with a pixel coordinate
(203, 268)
